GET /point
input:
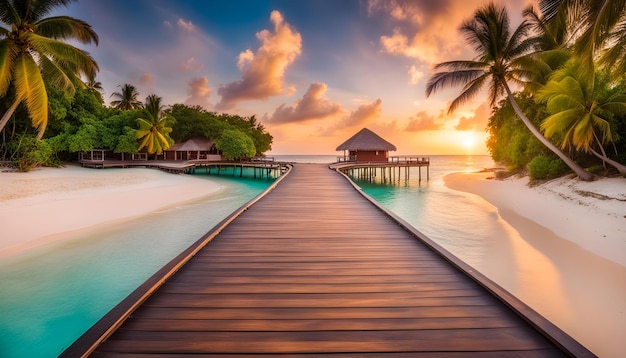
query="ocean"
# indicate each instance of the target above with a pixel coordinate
(45, 304)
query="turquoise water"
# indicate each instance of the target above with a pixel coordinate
(49, 296)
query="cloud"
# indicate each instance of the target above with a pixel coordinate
(415, 75)
(364, 113)
(190, 65)
(476, 122)
(263, 72)
(198, 92)
(427, 30)
(423, 122)
(146, 79)
(185, 25)
(313, 105)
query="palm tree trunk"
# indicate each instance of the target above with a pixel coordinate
(580, 171)
(8, 114)
(621, 168)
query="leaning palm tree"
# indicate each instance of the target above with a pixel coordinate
(127, 98)
(154, 130)
(581, 111)
(500, 58)
(32, 53)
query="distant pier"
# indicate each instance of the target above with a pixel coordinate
(313, 267)
(261, 167)
(388, 171)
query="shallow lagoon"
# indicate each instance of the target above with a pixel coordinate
(51, 295)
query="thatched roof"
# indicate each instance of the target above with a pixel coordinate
(193, 145)
(365, 139)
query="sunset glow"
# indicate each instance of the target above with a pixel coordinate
(313, 72)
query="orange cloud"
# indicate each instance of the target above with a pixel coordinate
(190, 65)
(364, 113)
(146, 79)
(359, 117)
(313, 105)
(263, 72)
(423, 122)
(198, 92)
(476, 122)
(427, 30)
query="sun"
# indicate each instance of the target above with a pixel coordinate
(469, 141)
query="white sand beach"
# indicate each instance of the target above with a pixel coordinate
(571, 239)
(590, 214)
(39, 206)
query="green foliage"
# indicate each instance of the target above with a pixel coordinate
(127, 142)
(196, 122)
(235, 144)
(510, 142)
(544, 167)
(28, 152)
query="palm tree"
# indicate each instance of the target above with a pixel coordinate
(501, 55)
(32, 53)
(127, 98)
(581, 110)
(95, 87)
(154, 131)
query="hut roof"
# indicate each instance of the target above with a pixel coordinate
(193, 145)
(365, 139)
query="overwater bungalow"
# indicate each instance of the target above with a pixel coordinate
(198, 148)
(366, 147)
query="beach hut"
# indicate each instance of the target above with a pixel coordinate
(193, 149)
(366, 147)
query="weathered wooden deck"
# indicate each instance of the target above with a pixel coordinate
(315, 268)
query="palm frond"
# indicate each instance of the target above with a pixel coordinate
(469, 91)
(66, 28)
(559, 122)
(8, 13)
(64, 53)
(451, 79)
(41, 8)
(8, 53)
(56, 76)
(462, 65)
(605, 128)
(30, 87)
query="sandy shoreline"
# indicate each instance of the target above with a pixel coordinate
(567, 256)
(590, 214)
(38, 207)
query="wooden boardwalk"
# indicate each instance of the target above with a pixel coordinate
(314, 268)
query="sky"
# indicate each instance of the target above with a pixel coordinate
(313, 72)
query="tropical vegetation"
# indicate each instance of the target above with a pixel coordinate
(33, 56)
(53, 107)
(562, 73)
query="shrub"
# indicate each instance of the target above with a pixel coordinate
(543, 167)
(30, 152)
